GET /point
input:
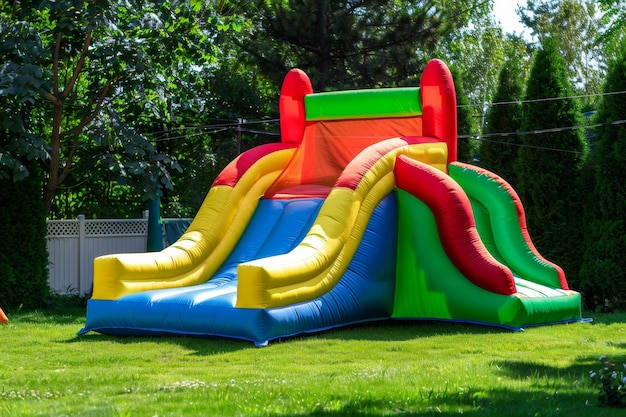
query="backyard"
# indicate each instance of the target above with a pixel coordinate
(377, 369)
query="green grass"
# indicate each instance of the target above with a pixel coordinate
(381, 369)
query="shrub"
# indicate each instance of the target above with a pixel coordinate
(24, 255)
(611, 381)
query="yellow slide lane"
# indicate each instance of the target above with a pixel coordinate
(319, 261)
(210, 238)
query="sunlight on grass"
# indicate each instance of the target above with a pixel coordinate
(381, 369)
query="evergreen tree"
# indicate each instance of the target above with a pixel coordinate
(347, 44)
(549, 164)
(466, 124)
(603, 273)
(499, 152)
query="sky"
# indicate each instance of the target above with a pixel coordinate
(504, 11)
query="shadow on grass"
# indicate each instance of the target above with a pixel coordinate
(381, 330)
(529, 370)
(199, 345)
(403, 330)
(493, 403)
(384, 330)
(607, 318)
(619, 345)
(55, 315)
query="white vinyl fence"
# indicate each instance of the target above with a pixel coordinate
(73, 245)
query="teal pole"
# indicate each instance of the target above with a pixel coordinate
(155, 239)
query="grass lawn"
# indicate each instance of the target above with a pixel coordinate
(382, 369)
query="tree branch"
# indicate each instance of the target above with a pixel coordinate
(55, 65)
(76, 130)
(53, 99)
(78, 68)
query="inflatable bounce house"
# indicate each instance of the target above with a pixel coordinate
(360, 213)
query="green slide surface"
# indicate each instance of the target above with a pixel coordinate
(430, 286)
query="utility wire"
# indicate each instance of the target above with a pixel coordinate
(481, 137)
(237, 124)
(538, 100)
(216, 130)
(227, 125)
(540, 131)
(220, 127)
(542, 148)
(260, 132)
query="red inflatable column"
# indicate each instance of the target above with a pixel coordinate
(439, 105)
(295, 86)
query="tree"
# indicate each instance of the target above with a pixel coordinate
(499, 148)
(576, 24)
(349, 43)
(466, 123)
(549, 162)
(477, 51)
(82, 85)
(82, 79)
(613, 21)
(239, 110)
(603, 273)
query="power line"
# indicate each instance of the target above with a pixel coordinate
(538, 100)
(482, 137)
(542, 148)
(260, 132)
(221, 126)
(212, 129)
(217, 130)
(540, 131)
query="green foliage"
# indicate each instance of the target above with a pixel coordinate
(346, 44)
(576, 25)
(478, 52)
(22, 81)
(23, 252)
(240, 109)
(602, 275)
(549, 164)
(83, 84)
(603, 271)
(613, 22)
(466, 123)
(610, 380)
(499, 148)
(610, 143)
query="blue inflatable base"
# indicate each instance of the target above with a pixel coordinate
(364, 293)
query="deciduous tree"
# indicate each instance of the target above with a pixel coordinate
(82, 85)
(577, 24)
(80, 79)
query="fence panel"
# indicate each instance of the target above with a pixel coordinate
(73, 245)
(63, 259)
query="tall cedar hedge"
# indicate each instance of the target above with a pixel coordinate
(23, 251)
(549, 164)
(499, 152)
(465, 120)
(603, 273)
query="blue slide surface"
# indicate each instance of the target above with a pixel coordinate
(365, 292)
